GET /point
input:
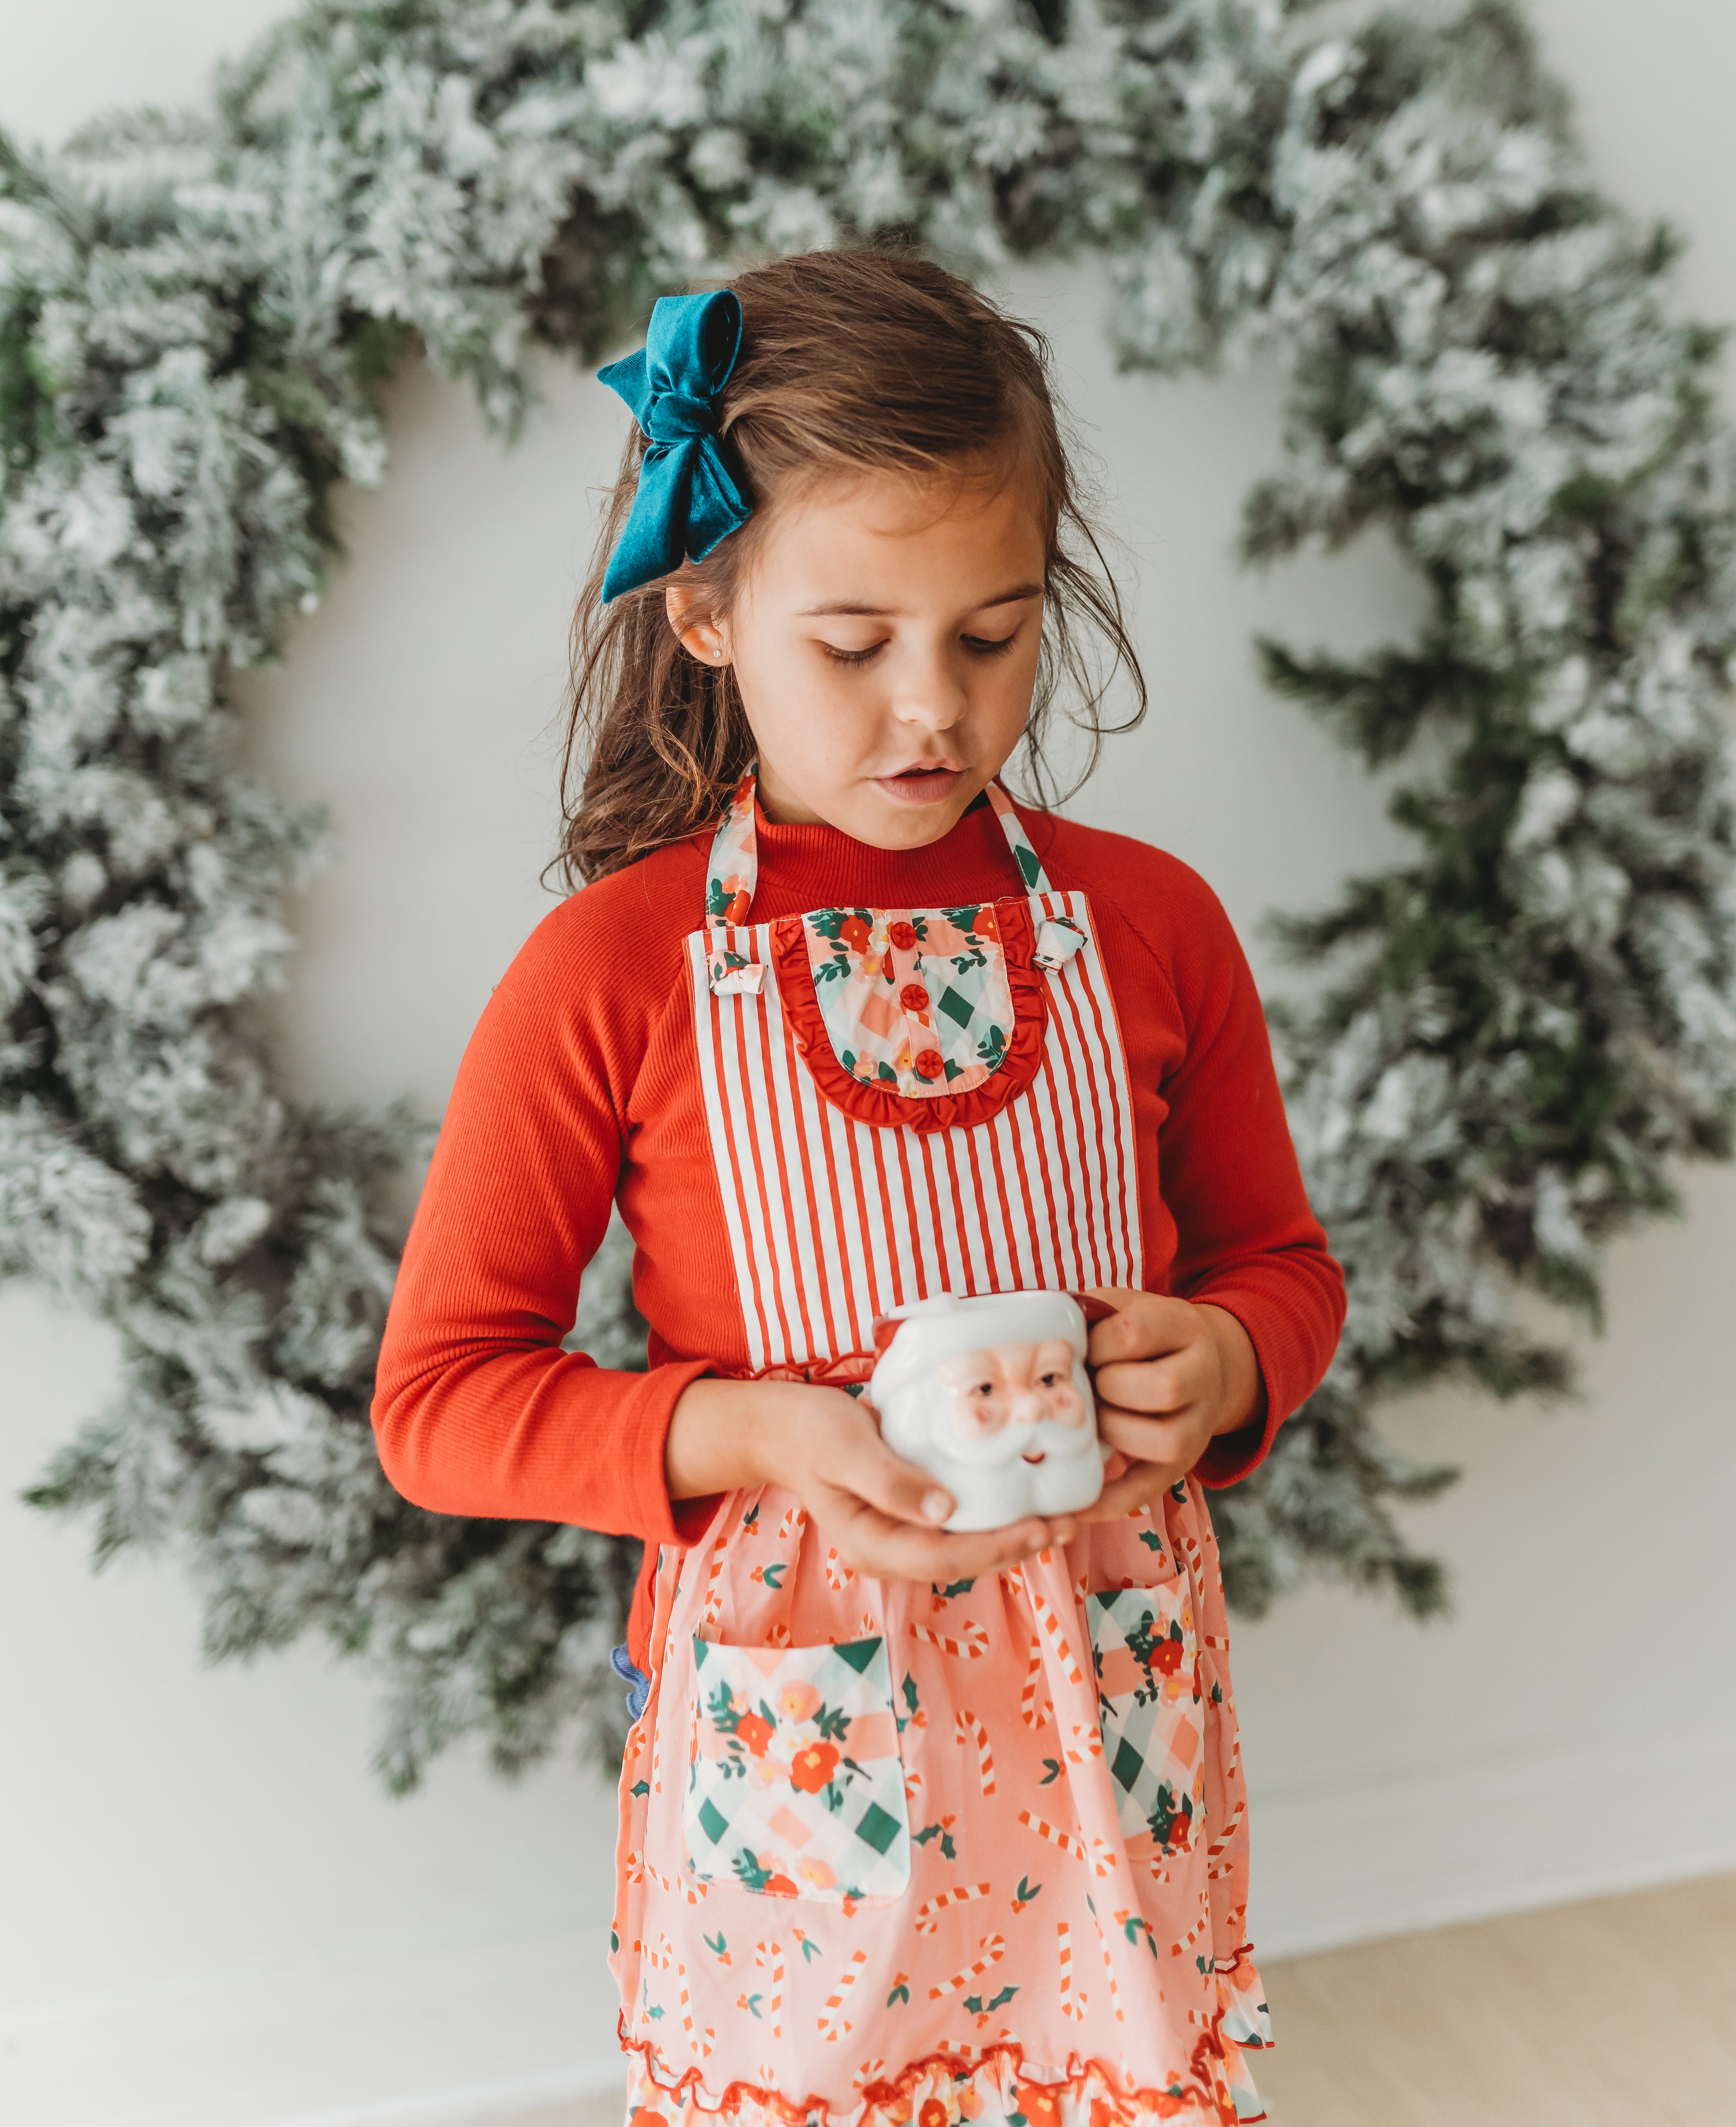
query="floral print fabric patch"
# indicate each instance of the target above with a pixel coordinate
(916, 1000)
(796, 1788)
(1143, 1643)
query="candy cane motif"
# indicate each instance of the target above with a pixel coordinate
(830, 2022)
(1071, 2005)
(769, 1956)
(972, 1640)
(1218, 1845)
(635, 1866)
(779, 1635)
(1049, 1618)
(714, 1586)
(1087, 1743)
(663, 1956)
(967, 1728)
(927, 1914)
(1032, 1714)
(989, 1951)
(1055, 1836)
(870, 2071)
(838, 1573)
(708, 2037)
(794, 1518)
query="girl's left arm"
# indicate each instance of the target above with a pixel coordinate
(1246, 1239)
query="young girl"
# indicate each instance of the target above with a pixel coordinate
(915, 1825)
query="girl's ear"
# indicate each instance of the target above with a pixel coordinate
(701, 636)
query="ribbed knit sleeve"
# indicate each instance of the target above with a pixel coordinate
(1246, 1239)
(477, 1409)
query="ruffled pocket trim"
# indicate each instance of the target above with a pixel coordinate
(866, 1101)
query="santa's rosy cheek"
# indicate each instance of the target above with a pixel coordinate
(979, 1415)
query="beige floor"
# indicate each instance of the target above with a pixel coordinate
(1620, 2013)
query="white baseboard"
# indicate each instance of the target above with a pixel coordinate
(1352, 1862)
(469, 2031)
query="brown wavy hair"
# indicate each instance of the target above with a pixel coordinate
(852, 361)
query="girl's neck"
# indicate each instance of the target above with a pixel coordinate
(817, 866)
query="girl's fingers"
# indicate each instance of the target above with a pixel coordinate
(1153, 1385)
(1145, 1326)
(876, 1544)
(1145, 1439)
(868, 1468)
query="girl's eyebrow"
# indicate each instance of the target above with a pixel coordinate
(887, 612)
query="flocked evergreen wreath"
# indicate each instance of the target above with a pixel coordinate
(1517, 1032)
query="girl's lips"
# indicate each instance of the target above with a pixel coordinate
(923, 787)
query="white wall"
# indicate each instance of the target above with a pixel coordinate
(212, 1917)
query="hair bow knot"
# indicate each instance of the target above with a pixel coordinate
(687, 499)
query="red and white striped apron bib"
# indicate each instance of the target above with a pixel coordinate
(891, 1851)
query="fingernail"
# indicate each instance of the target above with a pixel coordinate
(936, 1506)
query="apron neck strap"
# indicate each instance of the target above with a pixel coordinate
(734, 869)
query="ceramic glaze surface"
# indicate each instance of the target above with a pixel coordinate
(990, 1395)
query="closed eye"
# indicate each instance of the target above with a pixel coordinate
(980, 646)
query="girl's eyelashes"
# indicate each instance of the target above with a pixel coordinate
(979, 646)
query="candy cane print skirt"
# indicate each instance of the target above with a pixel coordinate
(892, 1851)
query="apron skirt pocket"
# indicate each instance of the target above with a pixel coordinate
(1153, 1730)
(795, 1788)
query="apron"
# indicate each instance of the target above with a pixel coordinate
(889, 1850)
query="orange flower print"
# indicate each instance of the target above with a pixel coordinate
(1040, 2105)
(816, 1872)
(643, 2116)
(901, 935)
(754, 1730)
(779, 1887)
(799, 1701)
(983, 923)
(810, 1769)
(853, 931)
(1166, 1657)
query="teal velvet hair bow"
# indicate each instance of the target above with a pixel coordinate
(687, 499)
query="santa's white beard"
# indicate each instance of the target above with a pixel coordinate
(991, 1483)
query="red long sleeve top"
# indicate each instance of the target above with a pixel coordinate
(580, 1089)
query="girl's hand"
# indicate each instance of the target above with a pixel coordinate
(1170, 1377)
(881, 1512)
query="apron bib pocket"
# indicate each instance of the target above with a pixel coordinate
(795, 1788)
(1146, 1655)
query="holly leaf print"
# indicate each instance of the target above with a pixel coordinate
(1000, 2000)
(1152, 1541)
(1054, 1772)
(771, 1576)
(750, 2002)
(1026, 1892)
(751, 1520)
(719, 1948)
(810, 1950)
(952, 1588)
(640, 1788)
(901, 1993)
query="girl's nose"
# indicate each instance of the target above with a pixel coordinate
(931, 699)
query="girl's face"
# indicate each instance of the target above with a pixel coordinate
(885, 644)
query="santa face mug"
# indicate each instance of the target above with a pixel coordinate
(990, 1395)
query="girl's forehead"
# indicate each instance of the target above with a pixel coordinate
(867, 542)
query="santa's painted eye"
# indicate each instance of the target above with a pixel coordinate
(982, 1388)
(1051, 1382)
